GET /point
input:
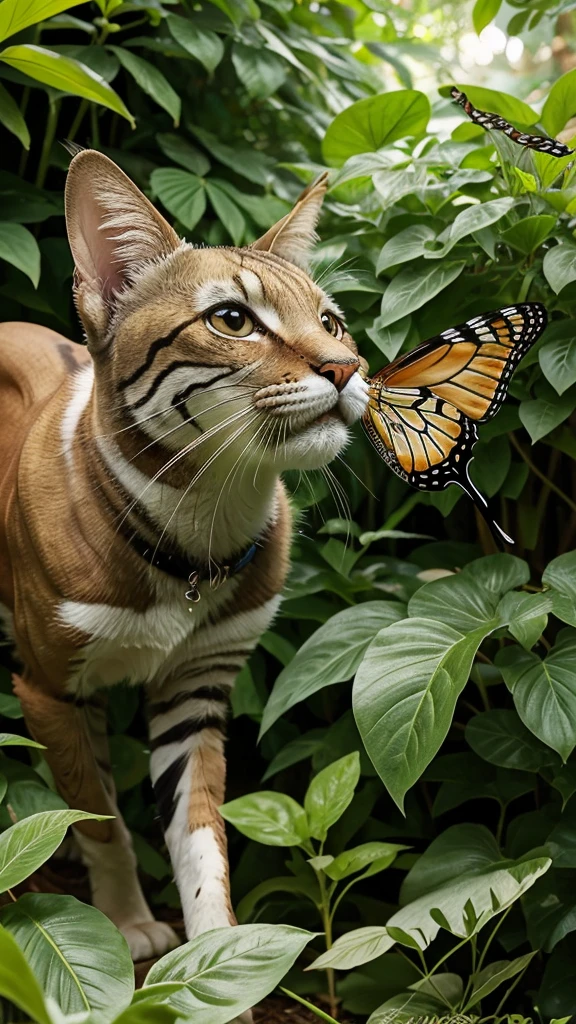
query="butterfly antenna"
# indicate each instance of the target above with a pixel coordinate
(485, 509)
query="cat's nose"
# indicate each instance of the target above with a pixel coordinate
(339, 373)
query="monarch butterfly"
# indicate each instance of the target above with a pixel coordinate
(493, 122)
(423, 408)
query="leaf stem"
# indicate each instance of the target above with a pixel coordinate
(49, 135)
(538, 472)
(79, 117)
(310, 1006)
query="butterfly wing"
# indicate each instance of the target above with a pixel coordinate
(423, 407)
(493, 122)
(470, 366)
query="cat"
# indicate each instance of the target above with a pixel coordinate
(145, 529)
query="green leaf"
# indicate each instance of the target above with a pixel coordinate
(560, 104)
(27, 791)
(469, 599)
(497, 102)
(560, 574)
(19, 247)
(330, 793)
(405, 693)
(7, 739)
(374, 856)
(151, 1006)
(407, 245)
(228, 213)
(261, 72)
(204, 45)
(331, 655)
(3, 786)
(182, 152)
(17, 981)
(413, 288)
(16, 15)
(465, 903)
(527, 234)
(79, 975)
(544, 690)
(303, 885)
(560, 266)
(227, 970)
(26, 845)
(484, 12)
(405, 1007)
(11, 117)
(274, 819)
(473, 218)
(474, 847)
(369, 124)
(248, 162)
(543, 414)
(489, 979)
(354, 948)
(526, 615)
(182, 193)
(151, 81)
(65, 74)
(500, 738)
(528, 181)
(10, 706)
(297, 750)
(557, 355)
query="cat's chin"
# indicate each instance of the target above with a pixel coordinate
(316, 445)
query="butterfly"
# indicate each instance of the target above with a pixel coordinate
(423, 408)
(493, 122)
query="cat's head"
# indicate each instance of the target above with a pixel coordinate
(238, 346)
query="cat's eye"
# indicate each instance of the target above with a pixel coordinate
(332, 324)
(232, 321)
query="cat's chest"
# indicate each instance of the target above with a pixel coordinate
(137, 646)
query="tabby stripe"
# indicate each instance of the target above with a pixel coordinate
(184, 730)
(165, 789)
(160, 377)
(155, 347)
(162, 707)
(183, 396)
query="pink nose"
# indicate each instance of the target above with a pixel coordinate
(339, 373)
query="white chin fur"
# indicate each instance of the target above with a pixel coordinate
(315, 446)
(353, 399)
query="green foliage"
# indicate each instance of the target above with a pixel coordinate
(458, 663)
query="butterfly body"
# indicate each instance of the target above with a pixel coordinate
(423, 408)
(493, 122)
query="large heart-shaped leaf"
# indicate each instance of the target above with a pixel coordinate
(52, 932)
(369, 124)
(500, 738)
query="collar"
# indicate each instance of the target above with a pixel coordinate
(179, 567)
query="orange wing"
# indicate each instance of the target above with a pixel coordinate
(422, 408)
(470, 366)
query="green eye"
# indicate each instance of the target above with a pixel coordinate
(232, 321)
(331, 324)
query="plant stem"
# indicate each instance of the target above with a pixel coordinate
(327, 921)
(310, 1006)
(49, 134)
(80, 115)
(11, 895)
(542, 476)
(491, 937)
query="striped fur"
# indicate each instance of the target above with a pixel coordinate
(170, 427)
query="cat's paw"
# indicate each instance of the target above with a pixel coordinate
(149, 939)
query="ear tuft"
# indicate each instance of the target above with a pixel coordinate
(294, 236)
(112, 227)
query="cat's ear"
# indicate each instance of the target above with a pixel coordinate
(294, 236)
(112, 229)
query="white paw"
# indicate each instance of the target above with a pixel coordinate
(244, 1018)
(150, 939)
